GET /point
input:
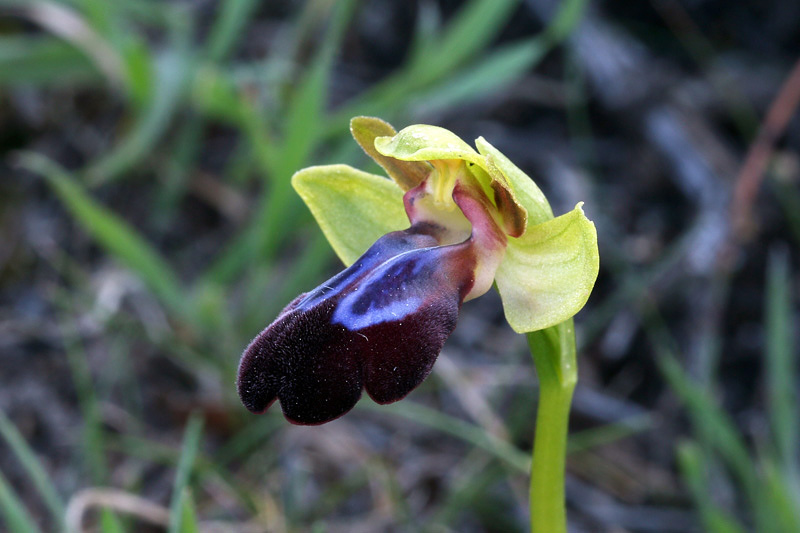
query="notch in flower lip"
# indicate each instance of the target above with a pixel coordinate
(450, 222)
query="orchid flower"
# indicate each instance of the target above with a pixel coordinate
(449, 223)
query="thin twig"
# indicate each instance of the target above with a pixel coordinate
(757, 159)
(116, 500)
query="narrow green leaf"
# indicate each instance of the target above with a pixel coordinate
(781, 364)
(782, 497)
(609, 433)
(473, 27)
(228, 27)
(191, 443)
(30, 463)
(140, 71)
(93, 436)
(111, 232)
(110, 522)
(278, 160)
(485, 77)
(14, 513)
(435, 57)
(690, 461)
(171, 76)
(27, 60)
(189, 523)
(475, 435)
(714, 427)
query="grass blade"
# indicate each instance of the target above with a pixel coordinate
(781, 366)
(486, 76)
(16, 517)
(475, 435)
(43, 60)
(782, 497)
(470, 31)
(188, 513)
(191, 442)
(111, 232)
(690, 461)
(230, 21)
(303, 123)
(715, 428)
(172, 71)
(30, 463)
(93, 436)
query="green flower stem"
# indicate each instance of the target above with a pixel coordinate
(554, 355)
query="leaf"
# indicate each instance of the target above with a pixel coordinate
(33, 468)
(150, 124)
(111, 232)
(14, 513)
(692, 466)
(43, 60)
(352, 207)
(548, 273)
(228, 28)
(780, 363)
(181, 517)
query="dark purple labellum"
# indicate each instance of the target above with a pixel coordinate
(378, 325)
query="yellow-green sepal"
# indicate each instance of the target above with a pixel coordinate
(353, 208)
(547, 274)
(407, 174)
(524, 189)
(422, 142)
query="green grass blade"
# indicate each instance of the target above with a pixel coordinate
(429, 72)
(249, 438)
(475, 435)
(502, 66)
(191, 443)
(781, 365)
(472, 28)
(26, 60)
(30, 463)
(609, 433)
(189, 522)
(171, 76)
(714, 427)
(140, 72)
(93, 436)
(230, 22)
(111, 232)
(782, 497)
(110, 522)
(12, 510)
(263, 236)
(715, 520)
(102, 16)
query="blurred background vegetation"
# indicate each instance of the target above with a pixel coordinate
(148, 231)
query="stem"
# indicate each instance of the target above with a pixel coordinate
(553, 352)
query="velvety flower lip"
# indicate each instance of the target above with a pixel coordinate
(379, 325)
